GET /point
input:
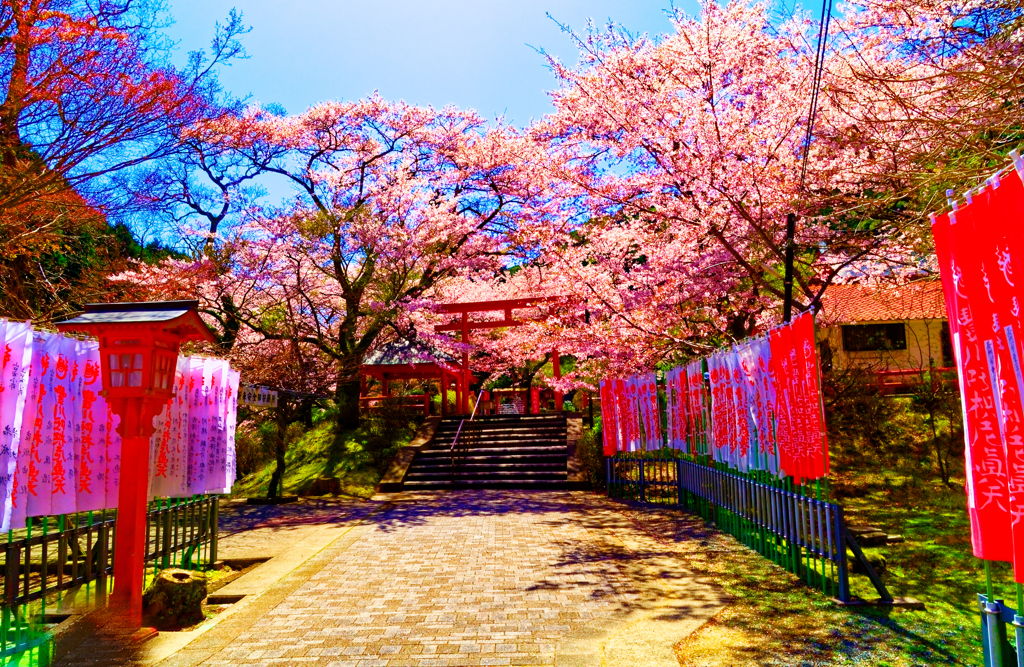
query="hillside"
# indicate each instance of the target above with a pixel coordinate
(311, 456)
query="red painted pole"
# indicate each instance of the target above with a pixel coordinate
(464, 403)
(135, 428)
(556, 367)
(458, 395)
(130, 543)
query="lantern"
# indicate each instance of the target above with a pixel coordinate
(139, 345)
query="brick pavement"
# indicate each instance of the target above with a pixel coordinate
(465, 578)
(473, 578)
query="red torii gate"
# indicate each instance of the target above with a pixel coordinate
(464, 325)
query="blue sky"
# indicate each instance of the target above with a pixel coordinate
(476, 54)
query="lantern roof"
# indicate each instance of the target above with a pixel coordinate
(178, 317)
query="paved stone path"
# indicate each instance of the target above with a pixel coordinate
(467, 578)
(255, 531)
(493, 578)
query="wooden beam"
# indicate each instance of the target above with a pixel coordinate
(458, 325)
(487, 306)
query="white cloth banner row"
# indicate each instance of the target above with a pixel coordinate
(59, 448)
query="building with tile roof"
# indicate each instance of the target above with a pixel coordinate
(897, 331)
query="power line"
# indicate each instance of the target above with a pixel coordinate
(819, 68)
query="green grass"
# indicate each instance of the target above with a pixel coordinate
(315, 455)
(935, 564)
(776, 620)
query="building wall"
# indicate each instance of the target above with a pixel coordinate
(924, 343)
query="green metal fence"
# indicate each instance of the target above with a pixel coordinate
(789, 525)
(72, 556)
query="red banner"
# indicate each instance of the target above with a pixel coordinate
(813, 446)
(696, 425)
(609, 427)
(782, 372)
(994, 224)
(987, 494)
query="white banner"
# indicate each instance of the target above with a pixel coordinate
(16, 347)
(60, 451)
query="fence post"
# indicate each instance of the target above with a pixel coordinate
(104, 544)
(839, 544)
(642, 494)
(993, 632)
(608, 475)
(165, 518)
(679, 480)
(12, 558)
(214, 523)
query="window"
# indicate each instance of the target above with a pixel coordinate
(874, 337)
(825, 354)
(948, 360)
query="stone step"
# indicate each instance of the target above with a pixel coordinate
(547, 484)
(505, 433)
(500, 442)
(531, 463)
(519, 468)
(508, 423)
(501, 435)
(450, 432)
(494, 452)
(490, 474)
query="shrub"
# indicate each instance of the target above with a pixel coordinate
(384, 429)
(918, 432)
(254, 446)
(590, 452)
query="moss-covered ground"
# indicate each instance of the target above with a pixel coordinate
(316, 454)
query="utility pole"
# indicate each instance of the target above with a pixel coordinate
(787, 281)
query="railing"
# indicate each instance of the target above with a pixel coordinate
(805, 535)
(458, 432)
(55, 555)
(412, 403)
(996, 648)
(892, 382)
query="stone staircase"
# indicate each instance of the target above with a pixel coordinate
(494, 452)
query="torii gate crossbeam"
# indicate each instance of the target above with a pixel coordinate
(464, 325)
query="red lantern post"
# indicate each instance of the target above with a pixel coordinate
(139, 345)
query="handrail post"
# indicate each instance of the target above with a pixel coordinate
(458, 432)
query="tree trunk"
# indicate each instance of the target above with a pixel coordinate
(175, 599)
(306, 413)
(347, 398)
(280, 448)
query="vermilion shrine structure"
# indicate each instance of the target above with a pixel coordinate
(406, 363)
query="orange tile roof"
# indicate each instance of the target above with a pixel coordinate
(918, 300)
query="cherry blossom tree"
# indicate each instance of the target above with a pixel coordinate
(935, 83)
(391, 200)
(654, 199)
(688, 152)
